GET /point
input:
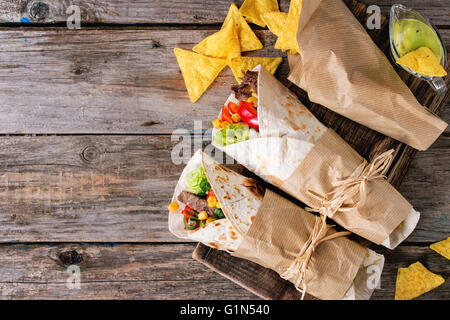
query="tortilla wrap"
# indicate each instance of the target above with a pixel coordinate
(240, 199)
(288, 132)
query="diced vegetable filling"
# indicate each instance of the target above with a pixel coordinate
(201, 204)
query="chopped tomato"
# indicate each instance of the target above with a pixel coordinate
(226, 114)
(233, 107)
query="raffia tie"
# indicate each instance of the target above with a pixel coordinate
(297, 270)
(331, 203)
(356, 183)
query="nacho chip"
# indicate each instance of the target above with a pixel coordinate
(222, 44)
(287, 39)
(275, 21)
(198, 71)
(415, 281)
(247, 38)
(442, 247)
(252, 10)
(423, 61)
(240, 65)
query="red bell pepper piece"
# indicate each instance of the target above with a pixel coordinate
(249, 114)
(186, 213)
(210, 193)
(233, 107)
(226, 114)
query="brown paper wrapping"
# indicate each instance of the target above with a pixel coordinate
(331, 160)
(342, 69)
(277, 235)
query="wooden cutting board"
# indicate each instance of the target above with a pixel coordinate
(266, 283)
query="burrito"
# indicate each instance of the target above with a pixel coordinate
(342, 69)
(264, 127)
(249, 221)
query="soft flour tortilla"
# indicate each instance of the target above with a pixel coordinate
(238, 199)
(288, 131)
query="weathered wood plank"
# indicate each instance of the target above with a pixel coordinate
(104, 81)
(112, 81)
(89, 188)
(116, 188)
(110, 272)
(151, 271)
(268, 285)
(178, 11)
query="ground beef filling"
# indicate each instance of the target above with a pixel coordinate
(249, 81)
(195, 202)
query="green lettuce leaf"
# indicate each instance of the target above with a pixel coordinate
(232, 133)
(197, 182)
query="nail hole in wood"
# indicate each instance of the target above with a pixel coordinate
(70, 257)
(155, 44)
(39, 10)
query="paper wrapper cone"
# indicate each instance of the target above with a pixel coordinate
(263, 227)
(292, 140)
(278, 234)
(342, 69)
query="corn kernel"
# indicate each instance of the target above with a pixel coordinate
(212, 201)
(253, 99)
(218, 205)
(217, 123)
(173, 206)
(236, 117)
(210, 219)
(202, 215)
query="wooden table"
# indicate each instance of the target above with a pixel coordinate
(85, 171)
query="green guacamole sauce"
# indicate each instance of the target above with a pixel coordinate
(411, 34)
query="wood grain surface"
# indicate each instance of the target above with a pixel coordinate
(158, 271)
(85, 118)
(117, 188)
(168, 12)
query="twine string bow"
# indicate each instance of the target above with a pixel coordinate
(346, 189)
(297, 270)
(331, 203)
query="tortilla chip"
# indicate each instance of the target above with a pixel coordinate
(442, 247)
(222, 44)
(247, 38)
(423, 61)
(240, 65)
(253, 10)
(275, 21)
(415, 281)
(198, 71)
(287, 39)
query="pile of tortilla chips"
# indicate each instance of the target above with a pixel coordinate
(201, 67)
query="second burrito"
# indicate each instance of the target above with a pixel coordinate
(279, 139)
